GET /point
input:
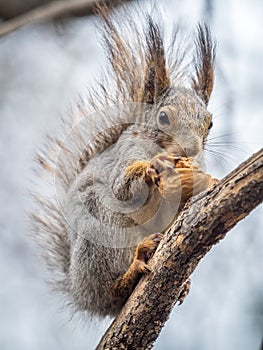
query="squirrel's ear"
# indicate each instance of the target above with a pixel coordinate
(203, 81)
(156, 80)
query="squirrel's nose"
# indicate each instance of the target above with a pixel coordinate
(186, 148)
(192, 149)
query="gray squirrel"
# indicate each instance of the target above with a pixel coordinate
(125, 169)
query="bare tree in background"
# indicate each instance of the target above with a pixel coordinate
(20, 14)
(12, 8)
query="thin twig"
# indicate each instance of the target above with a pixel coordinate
(53, 10)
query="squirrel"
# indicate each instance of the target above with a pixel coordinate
(126, 168)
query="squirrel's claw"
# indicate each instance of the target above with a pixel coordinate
(144, 251)
(185, 291)
(142, 267)
(158, 164)
(163, 161)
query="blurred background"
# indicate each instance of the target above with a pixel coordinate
(43, 68)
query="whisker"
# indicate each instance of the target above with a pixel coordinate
(229, 145)
(224, 135)
(225, 159)
(221, 107)
(217, 154)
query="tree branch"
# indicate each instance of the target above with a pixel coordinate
(54, 10)
(202, 224)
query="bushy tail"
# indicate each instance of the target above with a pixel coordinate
(141, 69)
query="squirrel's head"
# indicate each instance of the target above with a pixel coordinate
(183, 122)
(147, 71)
(182, 119)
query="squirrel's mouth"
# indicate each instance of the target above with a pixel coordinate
(181, 145)
(179, 152)
(183, 150)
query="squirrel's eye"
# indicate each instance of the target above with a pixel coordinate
(164, 119)
(210, 125)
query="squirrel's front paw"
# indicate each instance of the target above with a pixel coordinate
(160, 163)
(150, 170)
(178, 176)
(144, 251)
(138, 169)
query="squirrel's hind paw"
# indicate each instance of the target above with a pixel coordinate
(146, 248)
(127, 282)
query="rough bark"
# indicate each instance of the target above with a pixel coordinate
(55, 10)
(203, 223)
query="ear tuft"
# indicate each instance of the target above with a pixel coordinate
(156, 75)
(203, 81)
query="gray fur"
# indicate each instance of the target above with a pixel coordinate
(89, 227)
